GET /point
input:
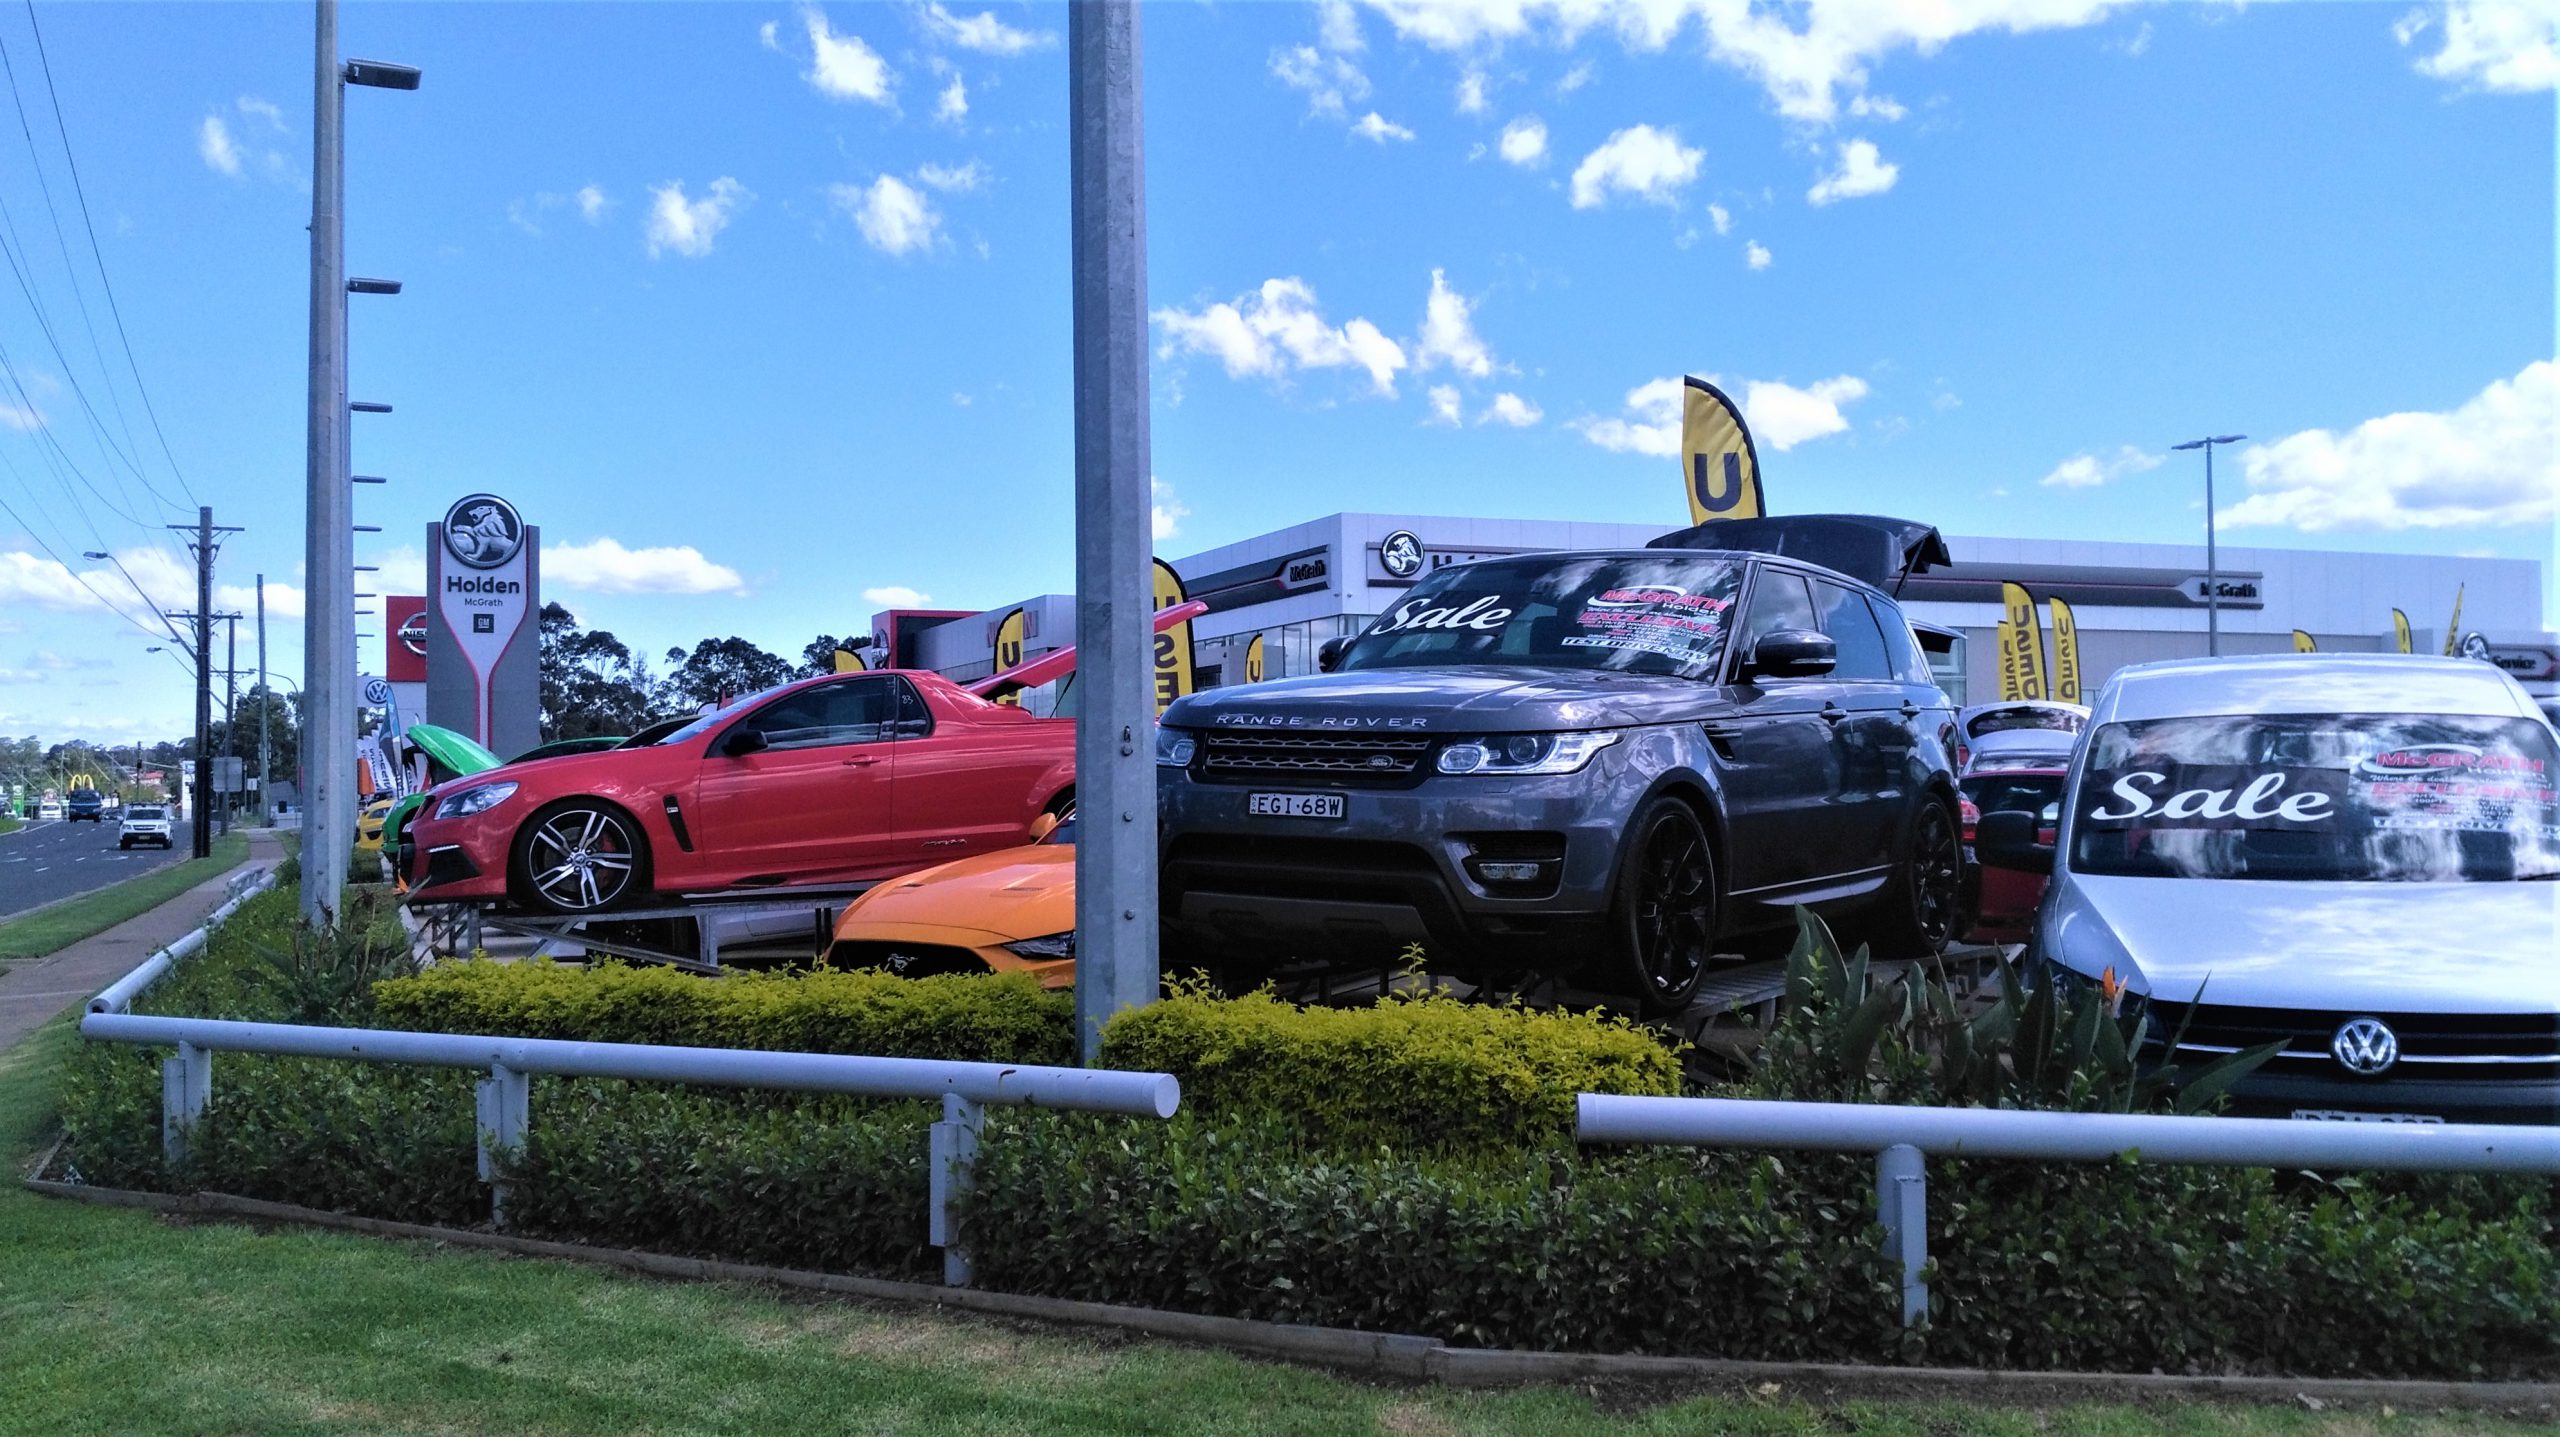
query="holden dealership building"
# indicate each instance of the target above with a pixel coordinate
(1298, 586)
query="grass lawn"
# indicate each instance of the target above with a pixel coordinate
(9, 824)
(58, 927)
(125, 1323)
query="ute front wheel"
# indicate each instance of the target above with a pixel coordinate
(581, 856)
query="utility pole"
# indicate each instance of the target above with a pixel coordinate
(266, 805)
(230, 706)
(2212, 561)
(204, 529)
(1116, 958)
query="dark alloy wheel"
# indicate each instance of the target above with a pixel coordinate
(1921, 909)
(1663, 926)
(581, 856)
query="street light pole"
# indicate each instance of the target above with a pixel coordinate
(2212, 562)
(266, 805)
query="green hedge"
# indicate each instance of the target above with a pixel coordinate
(1420, 1072)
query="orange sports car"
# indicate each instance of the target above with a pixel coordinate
(1012, 911)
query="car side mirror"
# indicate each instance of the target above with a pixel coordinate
(744, 741)
(1041, 827)
(1792, 654)
(2006, 838)
(1329, 654)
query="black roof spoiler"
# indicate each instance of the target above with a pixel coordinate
(1867, 547)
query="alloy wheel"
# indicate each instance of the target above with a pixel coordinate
(580, 860)
(1937, 877)
(1674, 907)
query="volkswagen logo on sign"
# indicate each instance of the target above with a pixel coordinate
(482, 530)
(1401, 553)
(2365, 1046)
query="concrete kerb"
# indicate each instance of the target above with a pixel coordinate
(1406, 1357)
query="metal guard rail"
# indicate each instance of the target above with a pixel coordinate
(966, 1089)
(1902, 1139)
(119, 995)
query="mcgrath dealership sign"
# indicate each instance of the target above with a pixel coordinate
(483, 662)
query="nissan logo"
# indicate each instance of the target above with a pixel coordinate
(413, 632)
(482, 530)
(2365, 1046)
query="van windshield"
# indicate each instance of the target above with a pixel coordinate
(2339, 797)
(1649, 615)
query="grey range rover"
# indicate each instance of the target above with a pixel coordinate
(1605, 767)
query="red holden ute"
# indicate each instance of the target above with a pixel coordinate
(838, 779)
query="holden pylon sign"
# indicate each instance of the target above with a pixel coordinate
(484, 675)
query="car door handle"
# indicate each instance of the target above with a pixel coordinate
(860, 762)
(1910, 710)
(1833, 713)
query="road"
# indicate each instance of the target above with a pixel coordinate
(47, 860)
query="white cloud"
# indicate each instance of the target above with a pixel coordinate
(592, 203)
(1446, 405)
(893, 215)
(897, 596)
(1164, 510)
(983, 33)
(1877, 107)
(689, 226)
(953, 178)
(1781, 416)
(34, 579)
(1860, 173)
(952, 106)
(1374, 126)
(769, 35)
(26, 419)
(1803, 71)
(1755, 254)
(266, 112)
(1330, 82)
(1513, 410)
(1472, 98)
(604, 566)
(2493, 461)
(1276, 328)
(1338, 26)
(1722, 218)
(842, 67)
(1575, 78)
(2506, 45)
(1650, 164)
(1524, 141)
(213, 142)
(401, 569)
(1449, 333)
(2088, 471)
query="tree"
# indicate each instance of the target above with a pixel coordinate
(592, 684)
(818, 656)
(284, 734)
(719, 670)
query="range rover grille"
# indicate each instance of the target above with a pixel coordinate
(1373, 758)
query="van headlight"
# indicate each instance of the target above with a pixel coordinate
(479, 798)
(1525, 753)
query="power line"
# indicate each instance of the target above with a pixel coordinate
(76, 576)
(114, 310)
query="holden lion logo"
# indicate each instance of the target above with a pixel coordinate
(1401, 553)
(2365, 1046)
(482, 530)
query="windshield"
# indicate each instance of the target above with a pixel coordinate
(1648, 615)
(143, 813)
(2026, 792)
(2005, 720)
(717, 717)
(2340, 797)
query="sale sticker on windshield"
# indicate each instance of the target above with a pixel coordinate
(2456, 787)
(1663, 619)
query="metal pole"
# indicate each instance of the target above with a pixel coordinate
(1115, 727)
(266, 806)
(1902, 1206)
(203, 816)
(2212, 569)
(230, 706)
(328, 624)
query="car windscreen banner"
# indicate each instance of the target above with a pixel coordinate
(1719, 467)
(1668, 620)
(1662, 615)
(2066, 652)
(2027, 636)
(1172, 646)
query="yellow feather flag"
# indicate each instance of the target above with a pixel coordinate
(2453, 626)
(1173, 646)
(2026, 637)
(2066, 652)
(2400, 628)
(2304, 644)
(1253, 661)
(1009, 639)
(848, 662)
(2012, 685)
(1718, 465)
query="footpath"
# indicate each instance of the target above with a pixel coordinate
(32, 993)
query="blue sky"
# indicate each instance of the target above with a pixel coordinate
(760, 320)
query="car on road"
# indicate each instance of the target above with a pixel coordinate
(2354, 855)
(50, 808)
(1011, 911)
(144, 823)
(85, 804)
(1605, 766)
(840, 778)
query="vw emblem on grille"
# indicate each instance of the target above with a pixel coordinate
(2366, 1046)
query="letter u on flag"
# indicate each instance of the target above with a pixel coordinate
(2026, 637)
(1173, 646)
(2066, 653)
(1253, 661)
(1718, 465)
(1009, 638)
(2012, 685)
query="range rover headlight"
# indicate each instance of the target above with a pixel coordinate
(1173, 747)
(479, 798)
(1525, 753)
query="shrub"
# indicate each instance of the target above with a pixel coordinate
(1005, 1018)
(1420, 1072)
